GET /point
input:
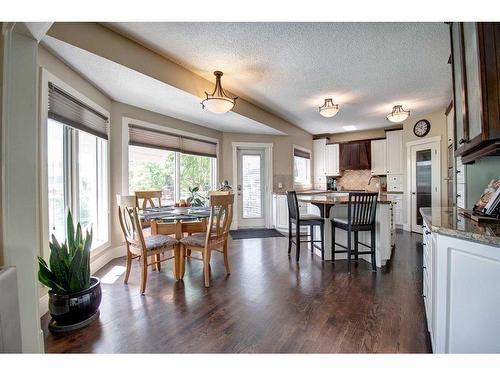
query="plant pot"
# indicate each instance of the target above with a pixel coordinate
(71, 309)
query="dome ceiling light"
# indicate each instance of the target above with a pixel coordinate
(328, 109)
(398, 114)
(218, 101)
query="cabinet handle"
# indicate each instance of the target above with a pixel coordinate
(462, 141)
(458, 171)
(427, 232)
(424, 267)
(458, 195)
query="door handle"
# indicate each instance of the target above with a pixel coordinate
(413, 193)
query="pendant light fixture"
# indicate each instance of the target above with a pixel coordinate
(398, 114)
(328, 109)
(218, 101)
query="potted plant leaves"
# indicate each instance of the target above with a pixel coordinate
(195, 198)
(74, 295)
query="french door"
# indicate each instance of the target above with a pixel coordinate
(251, 188)
(425, 180)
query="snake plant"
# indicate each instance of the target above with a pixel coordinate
(68, 270)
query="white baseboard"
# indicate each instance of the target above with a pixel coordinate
(406, 227)
(96, 264)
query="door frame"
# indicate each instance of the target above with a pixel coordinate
(268, 179)
(436, 174)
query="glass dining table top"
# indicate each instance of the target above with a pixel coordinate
(170, 213)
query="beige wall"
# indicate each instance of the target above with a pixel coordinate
(1, 123)
(282, 153)
(65, 73)
(438, 128)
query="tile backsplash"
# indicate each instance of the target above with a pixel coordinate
(358, 180)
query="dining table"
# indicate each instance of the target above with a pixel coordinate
(173, 220)
(170, 220)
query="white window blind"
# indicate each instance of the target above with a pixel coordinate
(146, 137)
(66, 109)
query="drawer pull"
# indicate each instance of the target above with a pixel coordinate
(427, 232)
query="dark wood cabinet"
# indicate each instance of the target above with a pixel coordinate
(475, 57)
(355, 155)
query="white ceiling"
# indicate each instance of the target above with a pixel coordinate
(289, 68)
(131, 87)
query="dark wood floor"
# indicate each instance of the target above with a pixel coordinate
(269, 304)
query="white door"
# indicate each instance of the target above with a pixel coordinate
(425, 181)
(251, 188)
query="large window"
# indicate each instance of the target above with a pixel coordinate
(77, 179)
(152, 169)
(301, 167)
(171, 172)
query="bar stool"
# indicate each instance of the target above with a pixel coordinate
(302, 220)
(361, 209)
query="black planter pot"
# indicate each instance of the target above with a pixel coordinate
(72, 309)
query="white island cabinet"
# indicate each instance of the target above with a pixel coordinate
(461, 283)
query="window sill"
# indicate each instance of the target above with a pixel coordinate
(96, 252)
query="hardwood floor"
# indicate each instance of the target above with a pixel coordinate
(269, 304)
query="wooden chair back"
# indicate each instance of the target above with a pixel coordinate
(148, 197)
(130, 223)
(362, 208)
(221, 216)
(293, 204)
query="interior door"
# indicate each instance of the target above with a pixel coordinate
(425, 181)
(251, 188)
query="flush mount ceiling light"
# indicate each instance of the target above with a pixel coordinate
(328, 109)
(398, 114)
(218, 101)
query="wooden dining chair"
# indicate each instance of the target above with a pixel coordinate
(147, 198)
(151, 247)
(216, 235)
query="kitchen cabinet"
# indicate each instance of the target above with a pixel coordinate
(280, 213)
(332, 162)
(450, 120)
(460, 183)
(475, 61)
(397, 208)
(459, 279)
(394, 156)
(379, 157)
(319, 148)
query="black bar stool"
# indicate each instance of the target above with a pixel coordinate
(361, 211)
(302, 220)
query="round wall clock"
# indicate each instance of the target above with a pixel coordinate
(422, 128)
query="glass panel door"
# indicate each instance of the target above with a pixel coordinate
(251, 188)
(423, 177)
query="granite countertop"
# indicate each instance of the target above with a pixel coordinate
(335, 198)
(449, 222)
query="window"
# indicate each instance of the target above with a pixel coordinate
(195, 171)
(171, 172)
(77, 179)
(152, 169)
(301, 167)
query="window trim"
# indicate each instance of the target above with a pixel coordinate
(298, 184)
(43, 214)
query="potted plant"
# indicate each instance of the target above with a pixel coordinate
(74, 295)
(195, 199)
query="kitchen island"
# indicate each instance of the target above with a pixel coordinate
(334, 204)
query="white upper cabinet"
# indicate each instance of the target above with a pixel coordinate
(379, 157)
(394, 157)
(319, 148)
(332, 159)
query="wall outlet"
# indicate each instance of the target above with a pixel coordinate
(280, 185)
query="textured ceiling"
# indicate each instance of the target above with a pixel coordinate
(131, 87)
(289, 68)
